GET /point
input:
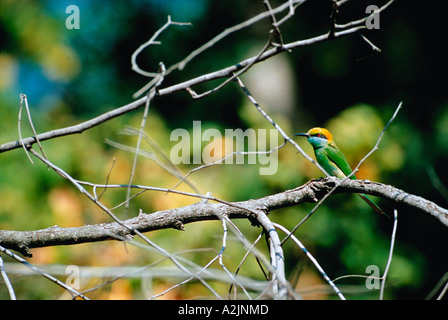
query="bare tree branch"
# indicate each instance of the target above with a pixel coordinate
(176, 218)
(361, 21)
(223, 73)
(181, 65)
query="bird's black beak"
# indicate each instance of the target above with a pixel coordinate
(302, 134)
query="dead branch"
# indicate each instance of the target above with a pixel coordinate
(176, 218)
(223, 73)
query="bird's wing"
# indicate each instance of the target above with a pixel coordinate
(335, 155)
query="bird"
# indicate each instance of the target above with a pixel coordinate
(332, 160)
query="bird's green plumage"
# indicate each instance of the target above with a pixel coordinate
(331, 159)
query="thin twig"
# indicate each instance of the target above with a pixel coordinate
(375, 147)
(220, 161)
(443, 292)
(275, 30)
(150, 42)
(175, 261)
(291, 7)
(443, 280)
(195, 95)
(107, 180)
(374, 47)
(313, 260)
(361, 21)
(220, 255)
(197, 274)
(25, 148)
(391, 251)
(44, 274)
(167, 166)
(158, 156)
(151, 93)
(249, 251)
(5, 278)
(23, 97)
(436, 182)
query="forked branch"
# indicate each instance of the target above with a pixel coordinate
(176, 218)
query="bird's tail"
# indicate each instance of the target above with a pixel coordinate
(372, 204)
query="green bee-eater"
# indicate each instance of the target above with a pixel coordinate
(331, 159)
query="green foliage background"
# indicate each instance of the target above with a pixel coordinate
(72, 75)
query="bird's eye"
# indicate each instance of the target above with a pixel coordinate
(319, 135)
